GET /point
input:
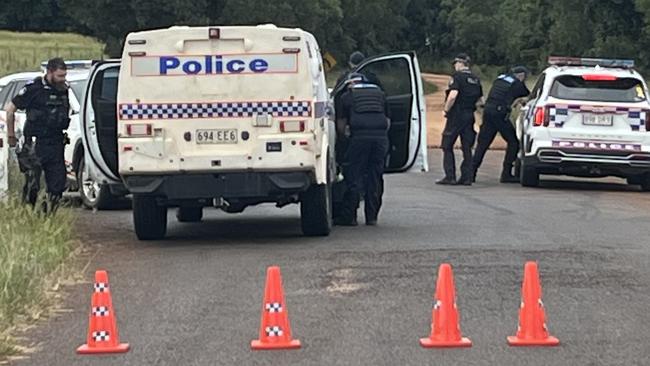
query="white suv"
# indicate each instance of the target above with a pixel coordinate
(586, 118)
(93, 194)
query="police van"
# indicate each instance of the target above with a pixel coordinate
(229, 117)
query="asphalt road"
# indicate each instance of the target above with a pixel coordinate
(363, 296)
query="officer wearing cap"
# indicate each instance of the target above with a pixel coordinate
(45, 100)
(462, 95)
(364, 116)
(496, 118)
(355, 59)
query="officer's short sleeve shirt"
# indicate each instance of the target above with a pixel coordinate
(519, 90)
(23, 99)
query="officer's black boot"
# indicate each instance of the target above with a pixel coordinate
(507, 177)
(447, 181)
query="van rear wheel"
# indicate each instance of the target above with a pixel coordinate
(149, 218)
(316, 210)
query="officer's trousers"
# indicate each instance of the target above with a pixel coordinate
(494, 122)
(459, 124)
(46, 157)
(366, 157)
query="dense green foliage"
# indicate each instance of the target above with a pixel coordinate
(493, 32)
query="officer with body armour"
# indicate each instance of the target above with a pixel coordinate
(496, 118)
(462, 96)
(45, 100)
(364, 117)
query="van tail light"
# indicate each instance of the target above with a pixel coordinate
(647, 120)
(542, 116)
(292, 126)
(139, 130)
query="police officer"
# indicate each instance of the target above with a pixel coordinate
(355, 59)
(462, 96)
(46, 101)
(365, 117)
(496, 118)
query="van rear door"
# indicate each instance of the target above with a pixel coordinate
(99, 122)
(399, 75)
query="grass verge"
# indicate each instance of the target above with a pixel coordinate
(25, 51)
(33, 247)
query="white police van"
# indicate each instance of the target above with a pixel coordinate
(586, 118)
(229, 117)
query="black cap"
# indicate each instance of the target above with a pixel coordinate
(520, 70)
(462, 57)
(356, 58)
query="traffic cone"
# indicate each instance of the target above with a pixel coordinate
(445, 327)
(275, 331)
(532, 329)
(103, 336)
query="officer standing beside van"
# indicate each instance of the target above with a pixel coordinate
(496, 118)
(46, 102)
(364, 112)
(464, 92)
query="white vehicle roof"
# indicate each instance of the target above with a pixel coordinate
(72, 76)
(20, 75)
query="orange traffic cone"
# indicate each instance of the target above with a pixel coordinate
(102, 331)
(275, 331)
(445, 327)
(532, 329)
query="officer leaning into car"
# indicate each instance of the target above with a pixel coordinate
(462, 96)
(364, 116)
(496, 118)
(45, 100)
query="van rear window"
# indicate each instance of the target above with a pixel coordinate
(571, 87)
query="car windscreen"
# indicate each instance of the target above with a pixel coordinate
(571, 87)
(78, 88)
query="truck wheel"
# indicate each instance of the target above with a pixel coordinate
(635, 180)
(645, 182)
(316, 210)
(529, 176)
(189, 214)
(149, 218)
(94, 195)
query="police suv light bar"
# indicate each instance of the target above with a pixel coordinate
(581, 61)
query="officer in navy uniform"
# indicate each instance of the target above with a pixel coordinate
(45, 100)
(496, 118)
(462, 96)
(364, 116)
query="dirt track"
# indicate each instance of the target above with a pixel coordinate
(435, 118)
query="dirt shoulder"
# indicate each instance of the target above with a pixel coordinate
(435, 117)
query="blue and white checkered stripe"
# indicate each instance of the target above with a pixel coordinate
(558, 116)
(213, 110)
(637, 119)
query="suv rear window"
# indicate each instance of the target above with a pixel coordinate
(571, 87)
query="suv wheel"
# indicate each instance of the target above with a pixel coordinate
(529, 176)
(94, 195)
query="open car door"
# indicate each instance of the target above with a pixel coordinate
(398, 74)
(99, 122)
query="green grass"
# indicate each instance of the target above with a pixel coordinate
(33, 248)
(26, 51)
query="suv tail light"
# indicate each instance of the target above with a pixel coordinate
(542, 116)
(599, 77)
(138, 130)
(292, 126)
